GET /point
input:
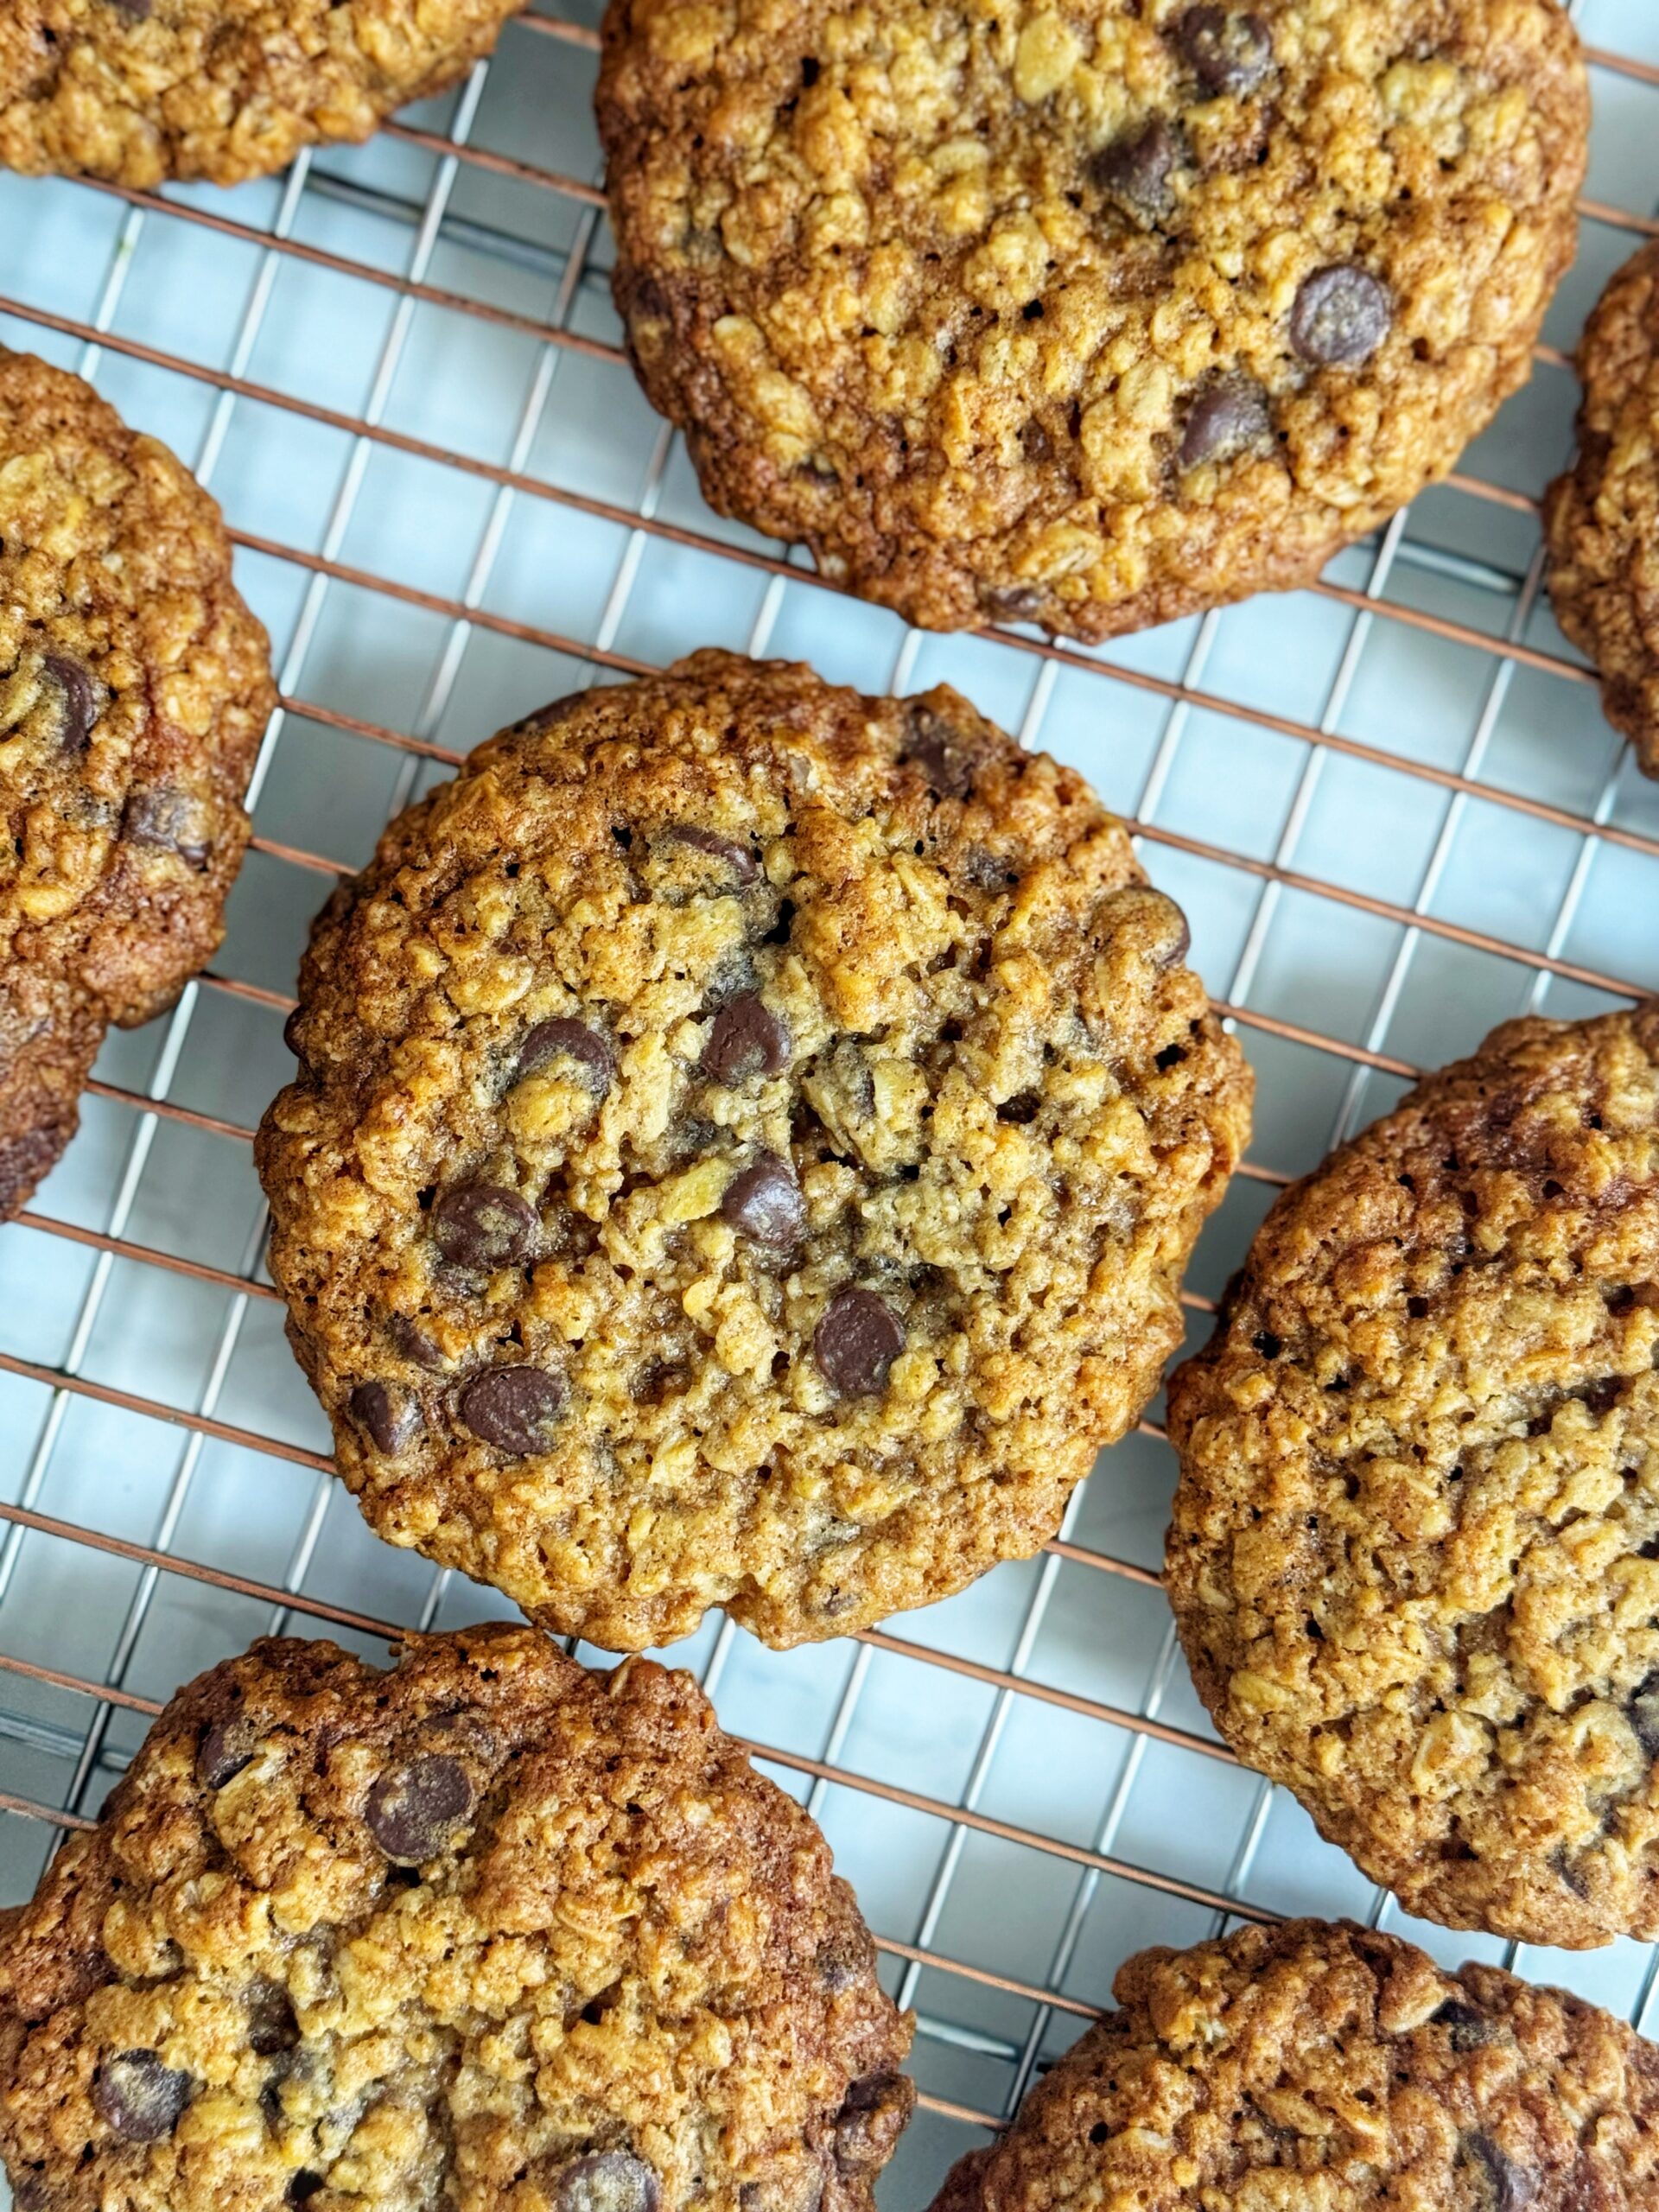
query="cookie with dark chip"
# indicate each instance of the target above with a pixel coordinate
(134, 687)
(1083, 313)
(1320, 2068)
(1415, 1550)
(745, 1146)
(487, 1930)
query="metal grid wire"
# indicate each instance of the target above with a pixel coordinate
(1390, 804)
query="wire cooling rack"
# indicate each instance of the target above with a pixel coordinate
(1390, 804)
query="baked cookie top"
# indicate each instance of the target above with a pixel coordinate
(747, 1142)
(1086, 313)
(1414, 1551)
(134, 686)
(1601, 518)
(140, 91)
(1321, 2068)
(487, 1932)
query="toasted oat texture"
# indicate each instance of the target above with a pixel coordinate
(1084, 313)
(1414, 1553)
(144, 90)
(1602, 517)
(487, 1932)
(134, 686)
(1321, 2068)
(746, 1143)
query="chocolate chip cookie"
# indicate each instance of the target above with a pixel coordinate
(139, 91)
(1321, 2068)
(1415, 1555)
(488, 1931)
(1083, 313)
(746, 1141)
(134, 686)
(1602, 518)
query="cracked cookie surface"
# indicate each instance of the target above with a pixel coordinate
(486, 1932)
(1601, 518)
(1320, 2067)
(140, 91)
(1415, 1550)
(134, 687)
(1083, 313)
(746, 1143)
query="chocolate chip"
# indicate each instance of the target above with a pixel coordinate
(291, 1033)
(1014, 602)
(740, 860)
(605, 2181)
(1137, 171)
(563, 1039)
(272, 2027)
(765, 1204)
(391, 1415)
(409, 1337)
(1229, 49)
(936, 748)
(856, 1343)
(869, 2123)
(513, 1407)
(1644, 1711)
(226, 1748)
(1470, 2028)
(1513, 2187)
(747, 1039)
(1225, 419)
(80, 699)
(140, 2098)
(170, 822)
(414, 1811)
(1341, 316)
(483, 1225)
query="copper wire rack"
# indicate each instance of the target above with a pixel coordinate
(1390, 804)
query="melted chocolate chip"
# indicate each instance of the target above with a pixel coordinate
(389, 1413)
(738, 858)
(869, 2124)
(272, 2027)
(168, 821)
(746, 1039)
(1644, 1711)
(226, 1748)
(139, 2097)
(413, 1811)
(1225, 419)
(1470, 2028)
(605, 2181)
(937, 749)
(1341, 316)
(409, 1337)
(80, 699)
(563, 1039)
(513, 1407)
(483, 1225)
(1137, 172)
(856, 1343)
(291, 1033)
(765, 1204)
(1229, 49)
(1513, 2187)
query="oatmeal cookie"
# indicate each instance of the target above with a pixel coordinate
(1414, 1553)
(134, 686)
(1602, 518)
(1084, 313)
(747, 1142)
(1321, 2068)
(139, 91)
(487, 1932)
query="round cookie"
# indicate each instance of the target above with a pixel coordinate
(746, 1143)
(1601, 518)
(1322, 2067)
(134, 686)
(1415, 1550)
(1083, 313)
(140, 91)
(488, 1931)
